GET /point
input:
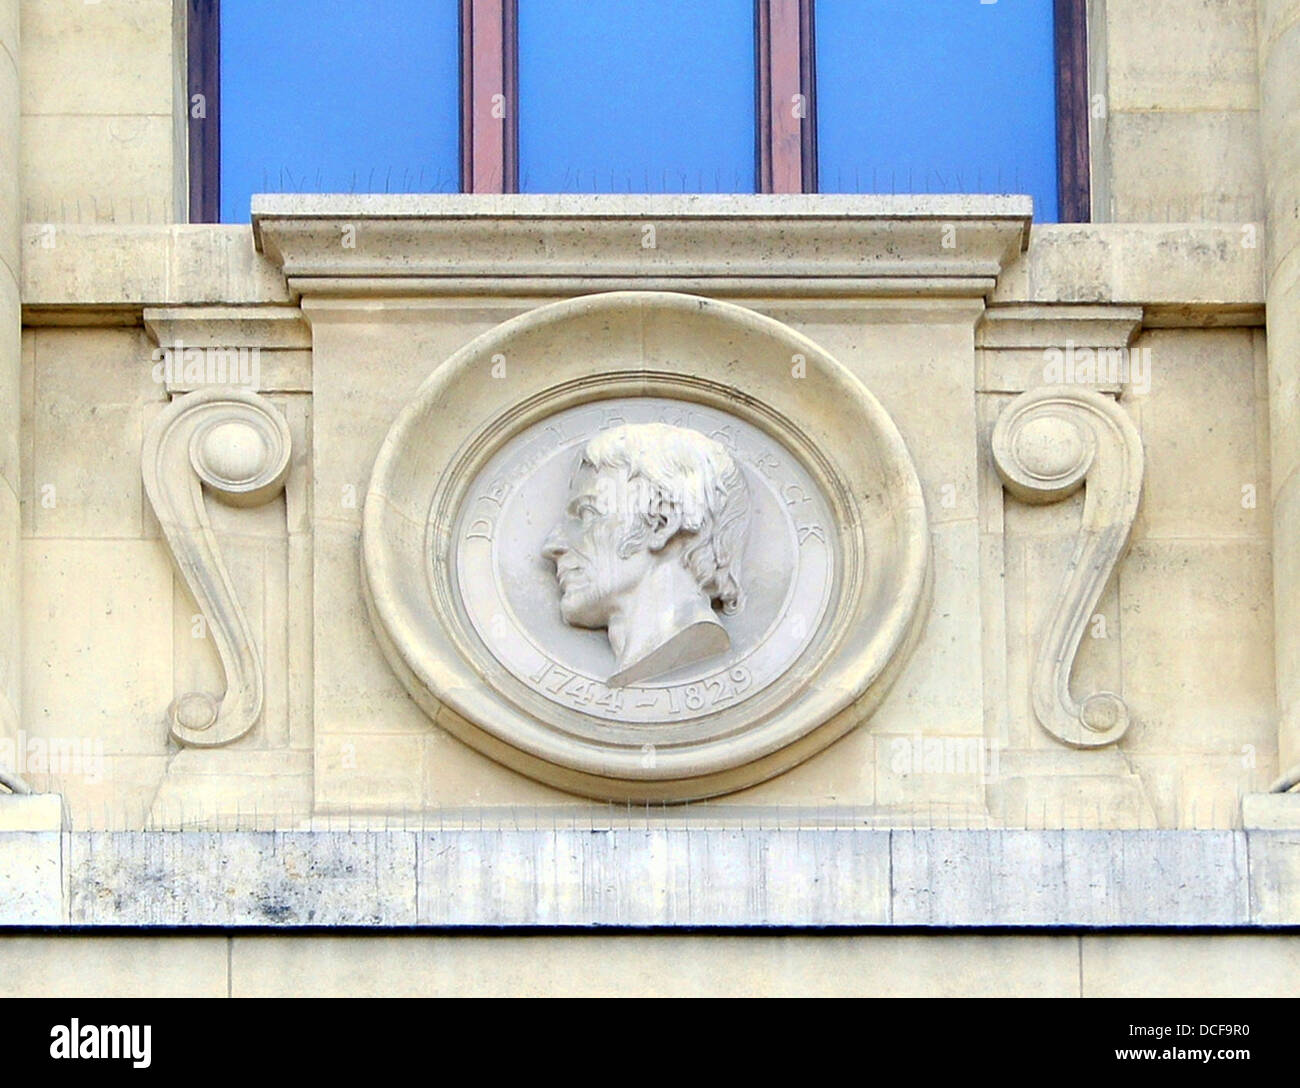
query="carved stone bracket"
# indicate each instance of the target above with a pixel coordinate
(1046, 444)
(236, 443)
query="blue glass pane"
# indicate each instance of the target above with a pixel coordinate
(338, 96)
(937, 96)
(641, 96)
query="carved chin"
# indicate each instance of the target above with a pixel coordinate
(579, 607)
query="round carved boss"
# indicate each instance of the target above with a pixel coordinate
(645, 546)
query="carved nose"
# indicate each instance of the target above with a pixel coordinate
(554, 547)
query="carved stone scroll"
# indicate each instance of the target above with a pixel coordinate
(12, 783)
(1048, 443)
(236, 443)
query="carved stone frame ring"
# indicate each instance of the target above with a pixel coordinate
(733, 372)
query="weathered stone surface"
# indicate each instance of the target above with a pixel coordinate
(1201, 272)
(1182, 55)
(31, 863)
(103, 129)
(1275, 875)
(242, 879)
(125, 48)
(1185, 167)
(1079, 878)
(654, 876)
(649, 872)
(87, 266)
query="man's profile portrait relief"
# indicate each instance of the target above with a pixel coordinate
(653, 534)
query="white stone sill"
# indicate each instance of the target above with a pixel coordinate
(652, 876)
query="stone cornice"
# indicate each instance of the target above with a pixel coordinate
(82, 266)
(1031, 325)
(1180, 274)
(265, 327)
(533, 244)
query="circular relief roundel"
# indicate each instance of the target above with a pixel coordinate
(674, 551)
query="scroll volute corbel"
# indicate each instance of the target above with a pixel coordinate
(1047, 444)
(235, 444)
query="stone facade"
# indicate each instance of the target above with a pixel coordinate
(1085, 728)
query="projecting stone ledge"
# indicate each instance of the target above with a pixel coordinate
(654, 876)
(427, 244)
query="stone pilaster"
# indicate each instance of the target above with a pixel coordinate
(1279, 57)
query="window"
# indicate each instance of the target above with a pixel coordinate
(908, 96)
(629, 96)
(325, 96)
(938, 96)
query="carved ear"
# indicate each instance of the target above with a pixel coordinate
(667, 523)
(237, 444)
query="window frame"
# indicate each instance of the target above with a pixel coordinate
(203, 77)
(1073, 155)
(785, 60)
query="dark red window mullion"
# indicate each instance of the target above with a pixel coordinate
(489, 97)
(785, 115)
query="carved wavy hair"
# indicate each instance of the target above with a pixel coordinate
(677, 468)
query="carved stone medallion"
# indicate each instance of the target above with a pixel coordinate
(675, 550)
(603, 567)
